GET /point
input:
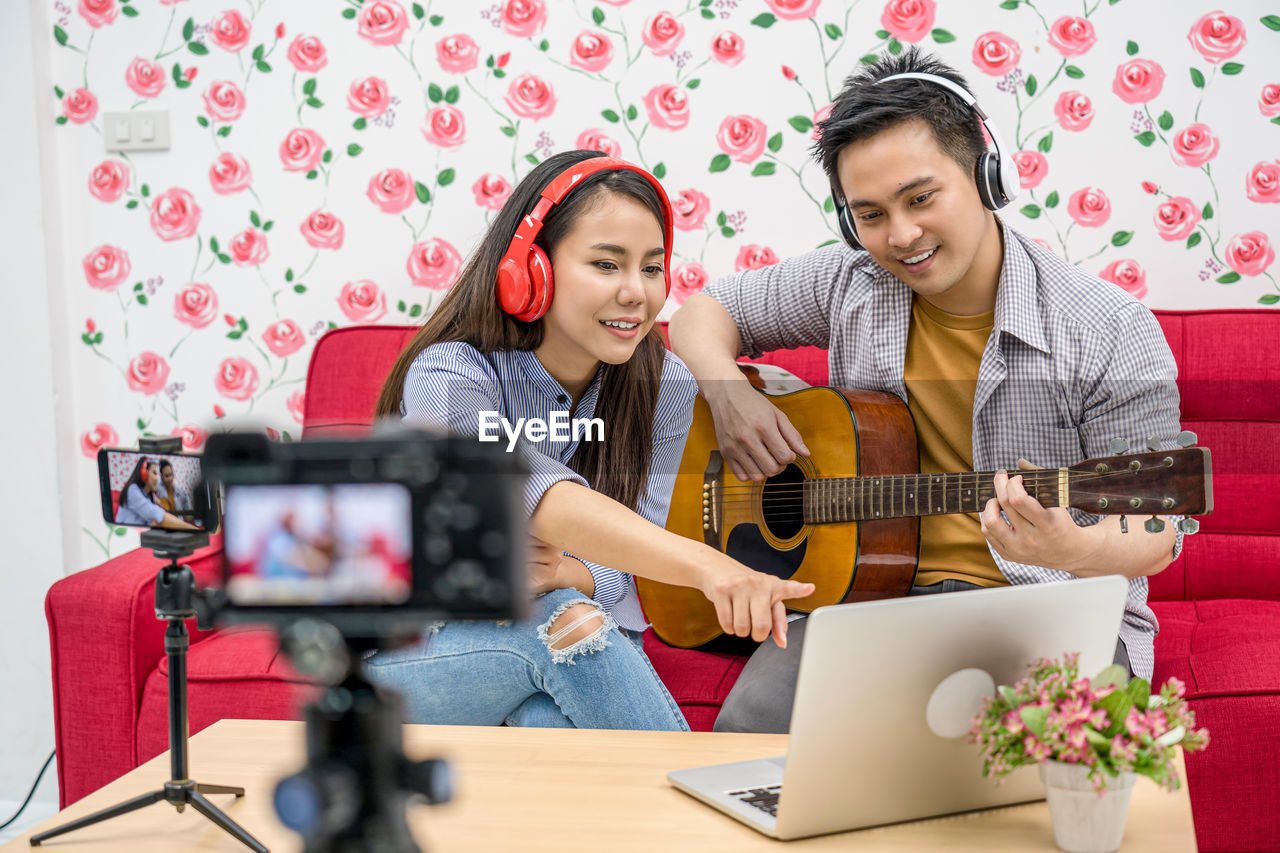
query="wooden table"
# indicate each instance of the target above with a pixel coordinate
(554, 790)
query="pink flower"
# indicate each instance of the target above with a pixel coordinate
(229, 174)
(391, 190)
(754, 257)
(788, 72)
(433, 263)
(102, 435)
(819, 117)
(1127, 274)
(296, 405)
(728, 48)
(690, 208)
(229, 31)
(908, 20)
(662, 33)
(369, 97)
(1217, 36)
(190, 73)
(492, 191)
(529, 96)
(193, 437)
(741, 137)
(1089, 207)
(1268, 100)
(590, 51)
(79, 106)
(144, 77)
(236, 379)
(147, 373)
(382, 22)
(1150, 188)
(174, 214)
(98, 13)
(196, 305)
(996, 53)
(595, 139)
(445, 127)
(524, 18)
(322, 230)
(108, 180)
(1194, 146)
(667, 106)
(362, 301)
(1250, 253)
(1032, 167)
(249, 248)
(1263, 183)
(223, 101)
(1176, 218)
(1074, 111)
(283, 338)
(307, 54)
(1138, 81)
(105, 267)
(457, 54)
(688, 280)
(793, 10)
(1072, 36)
(301, 150)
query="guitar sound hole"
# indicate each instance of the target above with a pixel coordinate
(782, 503)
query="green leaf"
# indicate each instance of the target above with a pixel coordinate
(1073, 72)
(264, 67)
(1166, 120)
(188, 29)
(257, 53)
(137, 287)
(1269, 299)
(120, 531)
(424, 194)
(1197, 79)
(775, 142)
(489, 61)
(224, 258)
(309, 87)
(895, 47)
(236, 335)
(763, 168)
(253, 217)
(801, 123)
(609, 115)
(1009, 4)
(132, 204)
(197, 48)
(445, 177)
(1096, 740)
(299, 288)
(202, 121)
(708, 14)
(833, 32)
(719, 163)
(1271, 22)
(883, 34)
(327, 157)
(311, 176)
(1139, 691)
(1045, 143)
(1031, 211)
(727, 232)
(435, 93)
(129, 11)
(142, 298)
(1276, 120)
(532, 158)
(1228, 278)
(544, 45)
(1146, 137)
(213, 245)
(142, 424)
(499, 73)
(704, 3)
(1035, 718)
(1207, 211)
(632, 112)
(1117, 706)
(1120, 238)
(57, 92)
(225, 130)
(288, 274)
(1193, 240)
(868, 59)
(1052, 199)
(1131, 47)
(436, 20)
(415, 310)
(401, 306)
(360, 124)
(660, 171)
(508, 130)
(766, 20)
(694, 83)
(353, 150)
(451, 95)
(60, 35)
(1031, 84)
(145, 189)
(942, 36)
(722, 218)
(597, 15)
(1232, 68)
(418, 11)
(1113, 675)
(348, 13)
(829, 205)
(60, 120)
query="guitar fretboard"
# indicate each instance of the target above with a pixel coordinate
(840, 499)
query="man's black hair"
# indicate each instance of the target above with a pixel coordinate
(164, 463)
(866, 107)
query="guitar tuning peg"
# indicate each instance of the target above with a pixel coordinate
(1154, 525)
(1186, 438)
(1153, 444)
(1118, 446)
(1187, 526)
(1124, 524)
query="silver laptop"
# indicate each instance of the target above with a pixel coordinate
(886, 692)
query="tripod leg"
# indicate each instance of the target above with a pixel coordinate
(106, 814)
(219, 789)
(209, 810)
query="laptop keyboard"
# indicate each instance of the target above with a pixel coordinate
(765, 799)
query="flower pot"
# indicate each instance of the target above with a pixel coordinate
(1083, 821)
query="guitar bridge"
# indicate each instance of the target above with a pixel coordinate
(712, 500)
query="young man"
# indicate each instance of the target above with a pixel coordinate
(168, 495)
(1006, 355)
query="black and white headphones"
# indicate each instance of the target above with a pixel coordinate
(996, 174)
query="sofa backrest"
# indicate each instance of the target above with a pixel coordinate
(1228, 375)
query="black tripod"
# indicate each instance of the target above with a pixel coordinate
(175, 591)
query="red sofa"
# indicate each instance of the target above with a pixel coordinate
(1218, 604)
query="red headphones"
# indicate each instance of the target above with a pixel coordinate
(525, 283)
(142, 473)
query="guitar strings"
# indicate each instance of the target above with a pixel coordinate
(1040, 477)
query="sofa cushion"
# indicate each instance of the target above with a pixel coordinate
(698, 681)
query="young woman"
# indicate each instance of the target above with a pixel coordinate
(553, 314)
(138, 503)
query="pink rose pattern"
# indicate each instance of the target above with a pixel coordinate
(340, 103)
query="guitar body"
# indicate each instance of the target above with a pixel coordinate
(850, 433)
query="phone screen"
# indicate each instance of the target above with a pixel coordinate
(154, 489)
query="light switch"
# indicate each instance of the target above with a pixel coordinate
(147, 129)
(122, 130)
(136, 130)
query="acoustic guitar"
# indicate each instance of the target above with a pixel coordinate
(846, 518)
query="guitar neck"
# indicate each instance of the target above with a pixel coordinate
(843, 499)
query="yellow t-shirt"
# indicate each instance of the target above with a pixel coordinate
(941, 373)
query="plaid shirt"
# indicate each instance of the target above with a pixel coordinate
(1072, 363)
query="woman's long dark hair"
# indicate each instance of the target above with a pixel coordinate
(135, 479)
(619, 465)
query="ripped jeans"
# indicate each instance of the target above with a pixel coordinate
(567, 666)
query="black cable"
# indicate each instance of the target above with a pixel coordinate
(31, 793)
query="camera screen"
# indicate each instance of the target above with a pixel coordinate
(307, 545)
(144, 489)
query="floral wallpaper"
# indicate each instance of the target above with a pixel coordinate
(332, 162)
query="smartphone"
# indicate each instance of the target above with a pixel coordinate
(152, 489)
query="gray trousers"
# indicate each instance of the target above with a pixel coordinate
(761, 699)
